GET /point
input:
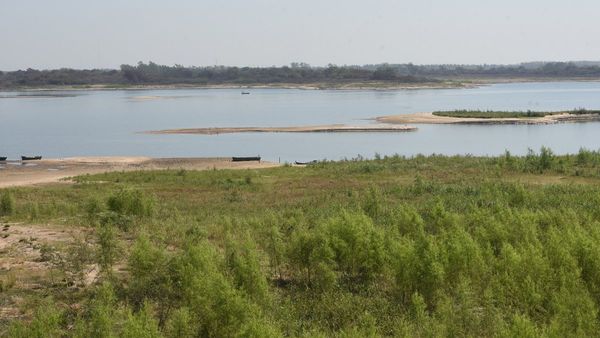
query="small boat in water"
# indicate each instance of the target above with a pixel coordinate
(30, 158)
(306, 163)
(242, 159)
(245, 93)
(2, 158)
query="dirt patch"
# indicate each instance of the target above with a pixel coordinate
(25, 266)
(20, 245)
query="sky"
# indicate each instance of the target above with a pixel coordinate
(45, 34)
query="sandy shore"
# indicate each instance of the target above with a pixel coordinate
(444, 83)
(359, 85)
(13, 174)
(334, 128)
(429, 118)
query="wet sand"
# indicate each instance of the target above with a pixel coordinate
(334, 128)
(429, 118)
(16, 173)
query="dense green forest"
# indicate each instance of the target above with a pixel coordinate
(417, 247)
(154, 74)
(297, 73)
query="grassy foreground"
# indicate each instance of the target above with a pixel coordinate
(424, 246)
(489, 114)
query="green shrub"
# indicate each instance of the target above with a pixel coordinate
(243, 262)
(218, 308)
(108, 248)
(141, 324)
(574, 314)
(521, 327)
(312, 258)
(417, 266)
(358, 247)
(275, 248)
(111, 218)
(546, 159)
(406, 220)
(131, 202)
(45, 323)
(149, 269)
(181, 324)
(93, 207)
(257, 328)
(7, 204)
(102, 315)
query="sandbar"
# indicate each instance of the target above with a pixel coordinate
(333, 128)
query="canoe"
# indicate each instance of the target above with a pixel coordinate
(245, 93)
(30, 158)
(306, 163)
(242, 159)
(2, 158)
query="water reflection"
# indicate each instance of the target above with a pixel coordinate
(96, 123)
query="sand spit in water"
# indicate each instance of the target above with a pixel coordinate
(334, 128)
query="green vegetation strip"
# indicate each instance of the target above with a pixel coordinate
(489, 114)
(409, 247)
(332, 76)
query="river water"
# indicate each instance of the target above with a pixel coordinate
(110, 122)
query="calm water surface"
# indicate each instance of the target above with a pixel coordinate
(103, 123)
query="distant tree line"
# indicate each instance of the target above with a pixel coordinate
(538, 70)
(296, 73)
(152, 73)
(59, 77)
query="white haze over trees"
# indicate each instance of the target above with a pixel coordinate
(105, 34)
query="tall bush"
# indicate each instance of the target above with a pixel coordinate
(7, 204)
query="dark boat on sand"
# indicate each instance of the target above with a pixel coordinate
(30, 158)
(242, 159)
(2, 158)
(306, 163)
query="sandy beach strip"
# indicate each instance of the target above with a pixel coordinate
(16, 173)
(334, 128)
(352, 85)
(429, 118)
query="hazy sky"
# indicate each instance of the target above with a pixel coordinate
(107, 33)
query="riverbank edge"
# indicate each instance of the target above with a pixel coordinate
(370, 85)
(445, 83)
(61, 170)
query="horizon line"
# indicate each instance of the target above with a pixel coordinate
(315, 66)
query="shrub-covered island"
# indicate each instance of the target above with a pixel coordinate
(489, 114)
